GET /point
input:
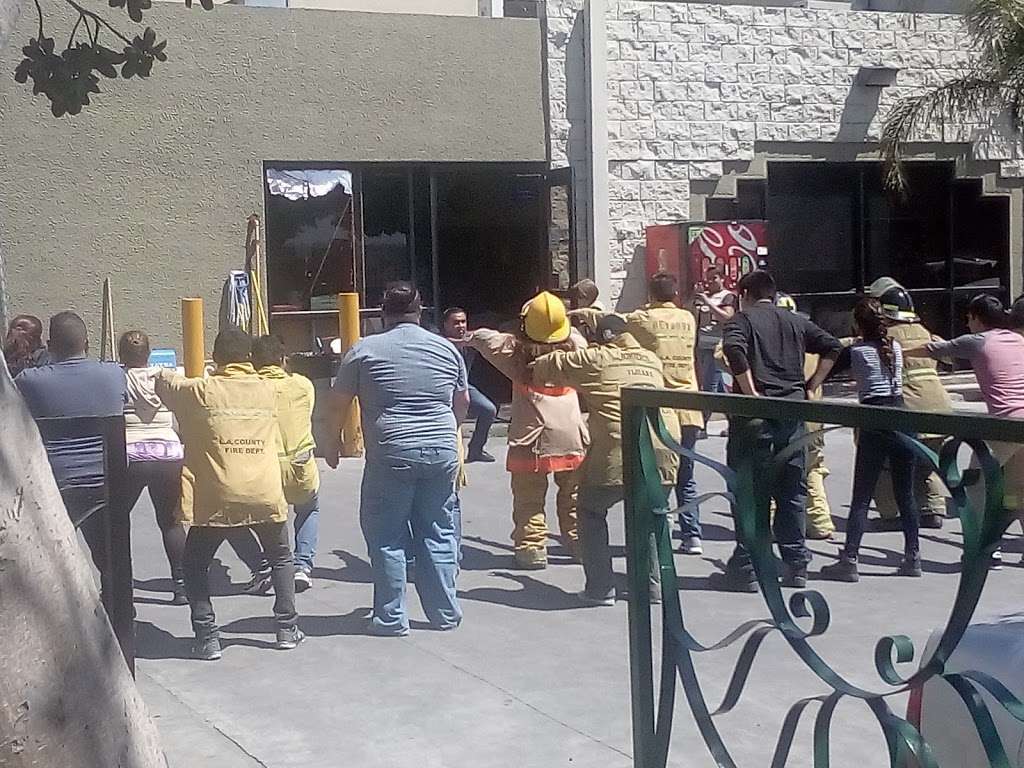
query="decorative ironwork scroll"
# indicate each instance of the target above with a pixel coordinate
(805, 614)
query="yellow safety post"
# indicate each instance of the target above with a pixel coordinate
(348, 332)
(192, 337)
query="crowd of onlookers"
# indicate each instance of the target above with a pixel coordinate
(225, 455)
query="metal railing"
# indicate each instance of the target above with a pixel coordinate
(116, 557)
(748, 482)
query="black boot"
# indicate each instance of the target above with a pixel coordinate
(911, 565)
(843, 570)
(794, 576)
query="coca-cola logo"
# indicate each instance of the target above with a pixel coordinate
(730, 246)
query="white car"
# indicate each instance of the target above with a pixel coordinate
(994, 646)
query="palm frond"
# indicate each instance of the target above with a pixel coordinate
(956, 100)
(994, 25)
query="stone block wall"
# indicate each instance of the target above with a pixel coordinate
(693, 86)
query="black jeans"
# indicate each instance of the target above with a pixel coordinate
(873, 448)
(87, 508)
(163, 479)
(790, 494)
(200, 547)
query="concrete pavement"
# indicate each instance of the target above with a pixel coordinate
(530, 678)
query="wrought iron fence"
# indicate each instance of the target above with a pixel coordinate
(805, 614)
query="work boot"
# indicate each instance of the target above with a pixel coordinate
(206, 647)
(180, 597)
(794, 576)
(733, 581)
(931, 520)
(288, 638)
(843, 570)
(911, 565)
(531, 559)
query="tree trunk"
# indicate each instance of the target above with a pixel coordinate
(66, 696)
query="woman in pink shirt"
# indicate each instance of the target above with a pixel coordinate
(995, 352)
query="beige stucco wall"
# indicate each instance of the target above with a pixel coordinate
(152, 184)
(440, 7)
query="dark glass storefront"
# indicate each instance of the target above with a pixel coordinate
(833, 229)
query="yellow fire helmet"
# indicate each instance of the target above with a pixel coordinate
(544, 319)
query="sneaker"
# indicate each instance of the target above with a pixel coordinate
(482, 457)
(259, 584)
(911, 566)
(819, 535)
(180, 597)
(996, 561)
(794, 576)
(303, 581)
(733, 581)
(593, 602)
(932, 521)
(531, 559)
(844, 570)
(289, 638)
(379, 631)
(691, 545)
(206, 648)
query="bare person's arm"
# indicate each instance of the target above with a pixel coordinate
(338, 405)
(460, 405)
(745, 381)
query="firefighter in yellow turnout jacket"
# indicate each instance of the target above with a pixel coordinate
(614, 360)
(922, 391)
(299, 475)
(671, 333)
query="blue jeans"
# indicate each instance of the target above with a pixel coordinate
(686, 488)
(307, 533)
(873, 448)
(485, 412)
(406, 508)
(712, 378)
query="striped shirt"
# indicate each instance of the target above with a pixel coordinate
(874, 378)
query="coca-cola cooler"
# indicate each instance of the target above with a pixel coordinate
(686, 249)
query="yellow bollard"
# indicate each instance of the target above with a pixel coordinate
(193, 347)
(348, 332)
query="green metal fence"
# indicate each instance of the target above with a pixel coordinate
(805, 614)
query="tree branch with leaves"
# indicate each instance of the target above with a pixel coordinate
(992, 83)
(69, 76)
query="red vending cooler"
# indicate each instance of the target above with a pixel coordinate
(687, 249)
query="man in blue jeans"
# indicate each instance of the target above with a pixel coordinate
(412, 392)
(454, 325)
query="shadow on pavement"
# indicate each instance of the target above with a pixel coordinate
(355, 622)
(533, 595)
(354, 570)
(151, 642)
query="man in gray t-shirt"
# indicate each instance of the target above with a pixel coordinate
(412, 391)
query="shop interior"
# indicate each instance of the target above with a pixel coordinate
(468, 235)
(833, 228)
